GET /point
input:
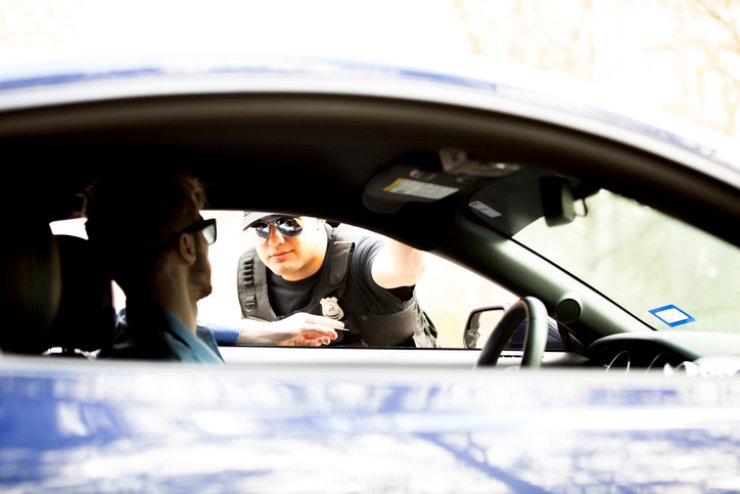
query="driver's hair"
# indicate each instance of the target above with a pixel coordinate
(129, 220)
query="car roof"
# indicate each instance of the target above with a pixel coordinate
(262, 131)
(493, 88)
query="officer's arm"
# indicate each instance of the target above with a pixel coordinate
(300, 329)
(396, 264)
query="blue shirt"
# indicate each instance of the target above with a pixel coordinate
(220, 335)
(152, 332)
(185, 345)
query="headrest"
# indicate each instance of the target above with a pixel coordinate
(30, 285)
(86, 317)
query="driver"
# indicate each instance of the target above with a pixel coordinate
(302, 270)
(155, 244)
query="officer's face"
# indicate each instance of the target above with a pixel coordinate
(294, 258)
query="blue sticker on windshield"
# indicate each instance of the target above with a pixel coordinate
(671, 315)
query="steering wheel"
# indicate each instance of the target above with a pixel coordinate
(534, 312)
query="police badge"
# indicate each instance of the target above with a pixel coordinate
(330, 308)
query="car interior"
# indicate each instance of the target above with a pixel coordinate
(458, 182)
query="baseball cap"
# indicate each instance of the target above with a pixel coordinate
(251, 217)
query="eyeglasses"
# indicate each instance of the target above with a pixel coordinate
(286, 225)
(208, 227)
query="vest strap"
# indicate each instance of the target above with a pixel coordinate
(247, 291)
(341, 253)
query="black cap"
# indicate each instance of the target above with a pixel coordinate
(251, 217)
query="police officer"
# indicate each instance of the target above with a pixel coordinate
(303, 272)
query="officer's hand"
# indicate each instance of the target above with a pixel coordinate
(304, 329)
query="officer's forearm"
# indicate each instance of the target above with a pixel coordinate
(259, 332)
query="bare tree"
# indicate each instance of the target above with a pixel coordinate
(539, 34)
(722, 58)
(696, 45)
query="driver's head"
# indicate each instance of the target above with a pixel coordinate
(131, 222)
(292, 247)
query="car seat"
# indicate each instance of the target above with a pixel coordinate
(30, 284)
(86, 318)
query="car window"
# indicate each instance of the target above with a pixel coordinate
(447, 292)
(669, 274)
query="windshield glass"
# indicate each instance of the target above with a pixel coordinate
(667, 273)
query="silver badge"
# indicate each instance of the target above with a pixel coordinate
(330, 308)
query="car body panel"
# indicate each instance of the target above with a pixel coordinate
(110, 427)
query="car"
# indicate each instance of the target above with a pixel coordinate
(620, 232)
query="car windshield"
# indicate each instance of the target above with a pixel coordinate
(665, 272)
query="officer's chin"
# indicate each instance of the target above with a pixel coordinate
(279, 268)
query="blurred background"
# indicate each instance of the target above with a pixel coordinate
(682, 57)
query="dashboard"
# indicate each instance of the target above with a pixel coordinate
(713, 354)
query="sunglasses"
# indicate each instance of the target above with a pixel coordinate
(288, 226)
(208, 227)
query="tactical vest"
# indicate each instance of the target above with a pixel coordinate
(409, 327)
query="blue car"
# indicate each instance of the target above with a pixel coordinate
(585, 287)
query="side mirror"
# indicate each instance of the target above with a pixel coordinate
(481, 322)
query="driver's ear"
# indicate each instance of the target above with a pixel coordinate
(186, 248)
